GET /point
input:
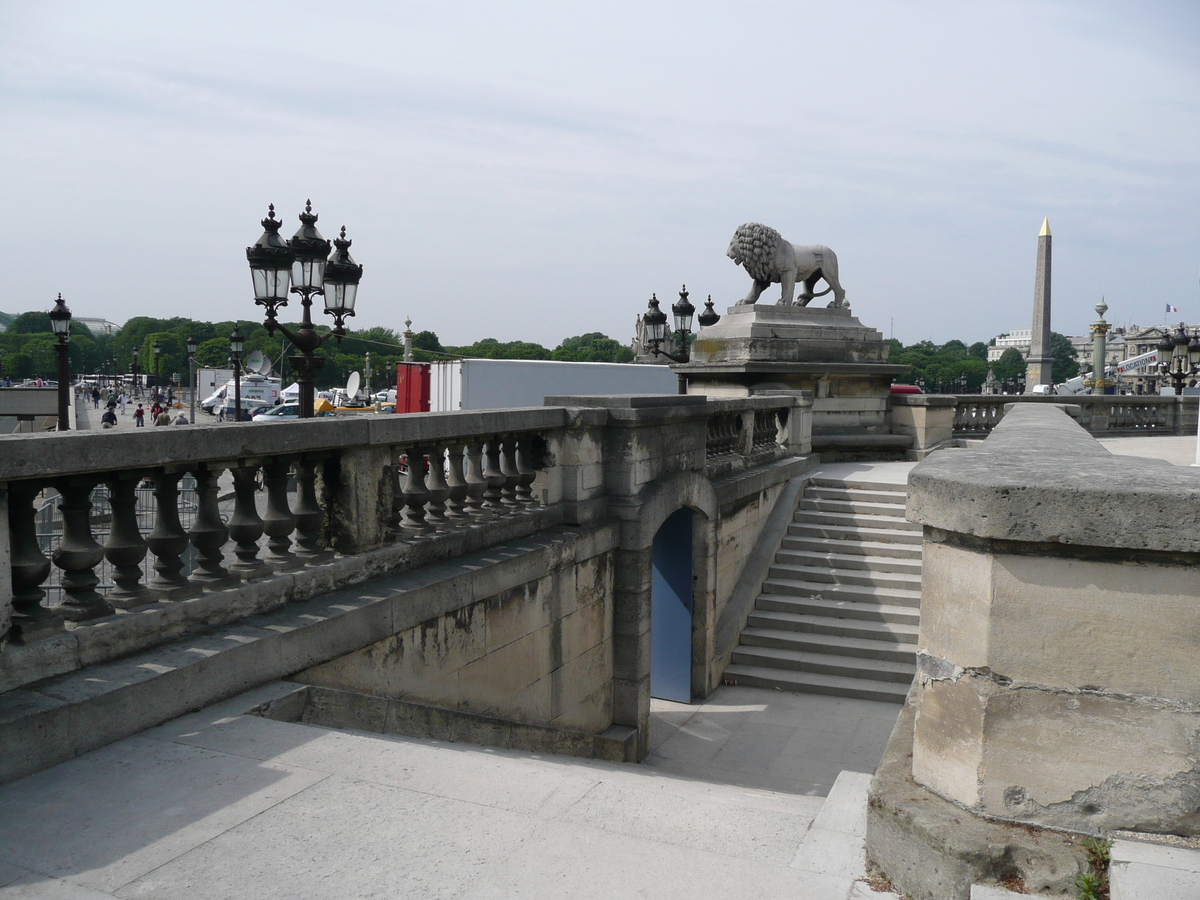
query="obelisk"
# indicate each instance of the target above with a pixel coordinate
(1039, 361)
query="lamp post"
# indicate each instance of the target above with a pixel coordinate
(682, 311)
(192, 346)
(60, 323)
(1179, 358)
(236, 343)
(305, 262)
(158, 349)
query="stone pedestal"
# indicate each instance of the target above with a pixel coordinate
(760, 348)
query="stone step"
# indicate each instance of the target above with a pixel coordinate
(841, 609)
(862, 522)
(862, 629)
(816, 683)
(827, 574)
(854, 495)
(827, 663)
(889, 648)
(848, 593)
(853, 507)
(848, 560)
(856, 484)
(844, 532)
(909, 550)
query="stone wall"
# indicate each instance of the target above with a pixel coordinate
(538, 653)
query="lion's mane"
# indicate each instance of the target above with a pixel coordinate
(756, 245)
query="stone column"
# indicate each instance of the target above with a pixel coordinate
(1038, 365)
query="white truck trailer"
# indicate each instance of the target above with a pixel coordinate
(500, 383)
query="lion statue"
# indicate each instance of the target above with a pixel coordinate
(769, 259)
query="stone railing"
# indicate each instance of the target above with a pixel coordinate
(1105, 414)
(932, 420)
(285, 512)
(750, 432)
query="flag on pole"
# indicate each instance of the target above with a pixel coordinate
(1172, 309)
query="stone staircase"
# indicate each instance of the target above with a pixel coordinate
(840, 610)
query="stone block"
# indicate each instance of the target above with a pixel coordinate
(947, 750)
(583, 629)
(34, 733)
(491, 682)
(517, 613)
(343, 709)
(581, 677)
(591, 715)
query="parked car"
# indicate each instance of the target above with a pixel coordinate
(280, 413)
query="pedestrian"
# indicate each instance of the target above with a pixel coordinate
(139, 416)
(163, 418)
(109, 419)
(181, 419)
(221, 411)
(95, 398)
(121, 402)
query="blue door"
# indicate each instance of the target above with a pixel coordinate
(671, 610)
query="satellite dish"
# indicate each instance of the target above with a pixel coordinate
(352, 384)
(257, 363)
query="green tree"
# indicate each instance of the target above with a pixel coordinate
(592, 347)
(1010, 364)
(1065, 365)
(490, 348)
(978, 350)
(31, 323)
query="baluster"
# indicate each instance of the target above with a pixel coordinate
(245, 525)
(415, 494)
(396, 515)
(278, 523)
(77, 555)
(476, 482)
(125, 548)
(208, 533)
(508, 465)
(494, 475)
(31, 621)
(439, 490)
(168, 540)
(456, 484)
(525, 469)
(310, 519)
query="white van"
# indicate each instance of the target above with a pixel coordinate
(257, 390)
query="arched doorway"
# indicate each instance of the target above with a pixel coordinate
(671, 609)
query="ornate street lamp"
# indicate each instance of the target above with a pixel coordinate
(192, 347)
(305, 262)
(1179, 358)
(60, 323)
(682, 311)
(158, 352)
(236, 344)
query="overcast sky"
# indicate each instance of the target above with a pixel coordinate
(533, 171)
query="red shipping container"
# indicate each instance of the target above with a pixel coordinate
(412, 387)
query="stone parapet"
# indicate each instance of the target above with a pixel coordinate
(1057, 685)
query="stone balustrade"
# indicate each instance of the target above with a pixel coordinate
(284, 512)
(977, 415)
(934, 420)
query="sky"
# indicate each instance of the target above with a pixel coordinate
(533, 171)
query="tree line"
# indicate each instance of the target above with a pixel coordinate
(27, 349)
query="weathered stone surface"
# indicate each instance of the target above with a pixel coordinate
(1040, 478)
(932, 849)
